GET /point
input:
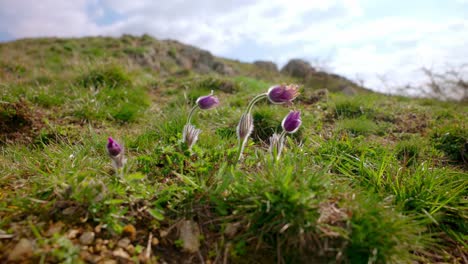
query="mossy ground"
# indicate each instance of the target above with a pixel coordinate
(369, 178)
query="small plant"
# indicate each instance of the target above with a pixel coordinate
(358, 126)
(190, 132)
(290, 124)
(107, 76)
(408, 151)
(351, 108)
(116, 153)
(278, 94)
(453, 141)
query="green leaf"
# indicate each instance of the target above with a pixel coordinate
(115, 201)
(156, 213)
(136, 176)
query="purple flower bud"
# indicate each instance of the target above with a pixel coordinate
(116, 153)
(244, 129)
(281, 94)
(292, 122)
(245, 126)
(113, 148)
(190, 135)
(207, 102)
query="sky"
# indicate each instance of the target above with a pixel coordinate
(384, 44)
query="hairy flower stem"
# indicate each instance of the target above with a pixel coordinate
(281, 140)
(244, 129)
(192, 111)
(243, 141)
(241, 149)
(255, 100)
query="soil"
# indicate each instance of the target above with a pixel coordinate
(18, 123)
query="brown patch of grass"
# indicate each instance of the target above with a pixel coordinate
(18, 123)
(411, 123)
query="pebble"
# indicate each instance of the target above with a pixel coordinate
(98, 229)
(232, 229)
(109, 261)
(87, 238)
(54, 228)
(22, 250)
(189, 234)
(124, 242)
(98, 248)
(155, 241)
(130, 249)
(120, 253)
(72, 234)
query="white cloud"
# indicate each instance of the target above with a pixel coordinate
(29, 18)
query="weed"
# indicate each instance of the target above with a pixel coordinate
(358, 126)
(453, 141)
(107, 76)
(352, 108)
(408, 151)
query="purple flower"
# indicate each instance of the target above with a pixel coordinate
(116, 153)
(208, 101)
(281, 94)
(292, 122)
(113, 148)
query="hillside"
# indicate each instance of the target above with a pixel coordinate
(367, 178)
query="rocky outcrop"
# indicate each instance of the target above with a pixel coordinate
(266, 65)
(223, 69)
(298, 68)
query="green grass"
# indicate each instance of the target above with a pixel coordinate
(358, 126)
(366, 179)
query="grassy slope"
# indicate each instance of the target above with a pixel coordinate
(368, 178)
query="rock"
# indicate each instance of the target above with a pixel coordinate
(54, 228)
(189, 234)
(99, 241)
(232, 229)
(223, 68)
(318, 95)
(70, 210)
(120, 253)
(88, 257)
(22, 251)
(130, 249)
(124, 242)
(72, 234)
(155, 241)
(109, 261)
(298, 68)
(163, 233)
(87, 238)
(191, 57)
(98, 228)
(266, 65)
(348, 90)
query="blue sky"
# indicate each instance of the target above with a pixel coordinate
(382, 43)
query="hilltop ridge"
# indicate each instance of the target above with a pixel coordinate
(161, 57)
